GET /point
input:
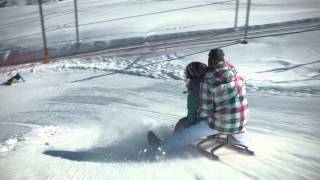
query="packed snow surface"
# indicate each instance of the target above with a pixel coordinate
(87, 118)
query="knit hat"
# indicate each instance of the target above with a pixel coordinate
(215, 56)
(195, 70)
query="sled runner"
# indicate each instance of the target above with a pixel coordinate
(212, 143)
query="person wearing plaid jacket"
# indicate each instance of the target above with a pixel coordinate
(223, 102)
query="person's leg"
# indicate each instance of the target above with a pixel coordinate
(185, 137)
(181, 124)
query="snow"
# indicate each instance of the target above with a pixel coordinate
(87, 117)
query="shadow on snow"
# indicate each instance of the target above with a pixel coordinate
(132, 149)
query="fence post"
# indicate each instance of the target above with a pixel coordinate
(76, 21)
(244, 41)
(46, 54)
(236, 14)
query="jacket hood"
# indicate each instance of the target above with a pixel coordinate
(222, 73)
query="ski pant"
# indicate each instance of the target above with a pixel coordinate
(184, 137)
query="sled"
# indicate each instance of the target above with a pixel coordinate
(211, 144)
(9, 84)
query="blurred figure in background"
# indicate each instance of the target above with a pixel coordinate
(14, 79)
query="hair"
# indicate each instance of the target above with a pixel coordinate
(215, 57)
(195, 70)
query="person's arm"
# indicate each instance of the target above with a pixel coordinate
(18, 76)
(206, 102)
(192, 105)
(22, 78)
(232, 68)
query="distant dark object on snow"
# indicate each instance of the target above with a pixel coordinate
(14, 79)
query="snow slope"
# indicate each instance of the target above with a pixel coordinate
(86, 118)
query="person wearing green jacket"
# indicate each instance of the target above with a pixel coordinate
(195, 72)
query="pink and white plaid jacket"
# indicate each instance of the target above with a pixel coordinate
(223, 101)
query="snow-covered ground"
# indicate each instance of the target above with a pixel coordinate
(87, 118)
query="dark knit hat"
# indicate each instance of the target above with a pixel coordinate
(215, 56)
(195, 70)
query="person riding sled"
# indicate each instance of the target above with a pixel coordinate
(194, 72)
(223, 106)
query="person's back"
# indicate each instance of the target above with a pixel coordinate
(222, 100)
(194, 74)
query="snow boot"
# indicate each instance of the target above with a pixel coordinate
(153, 140)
